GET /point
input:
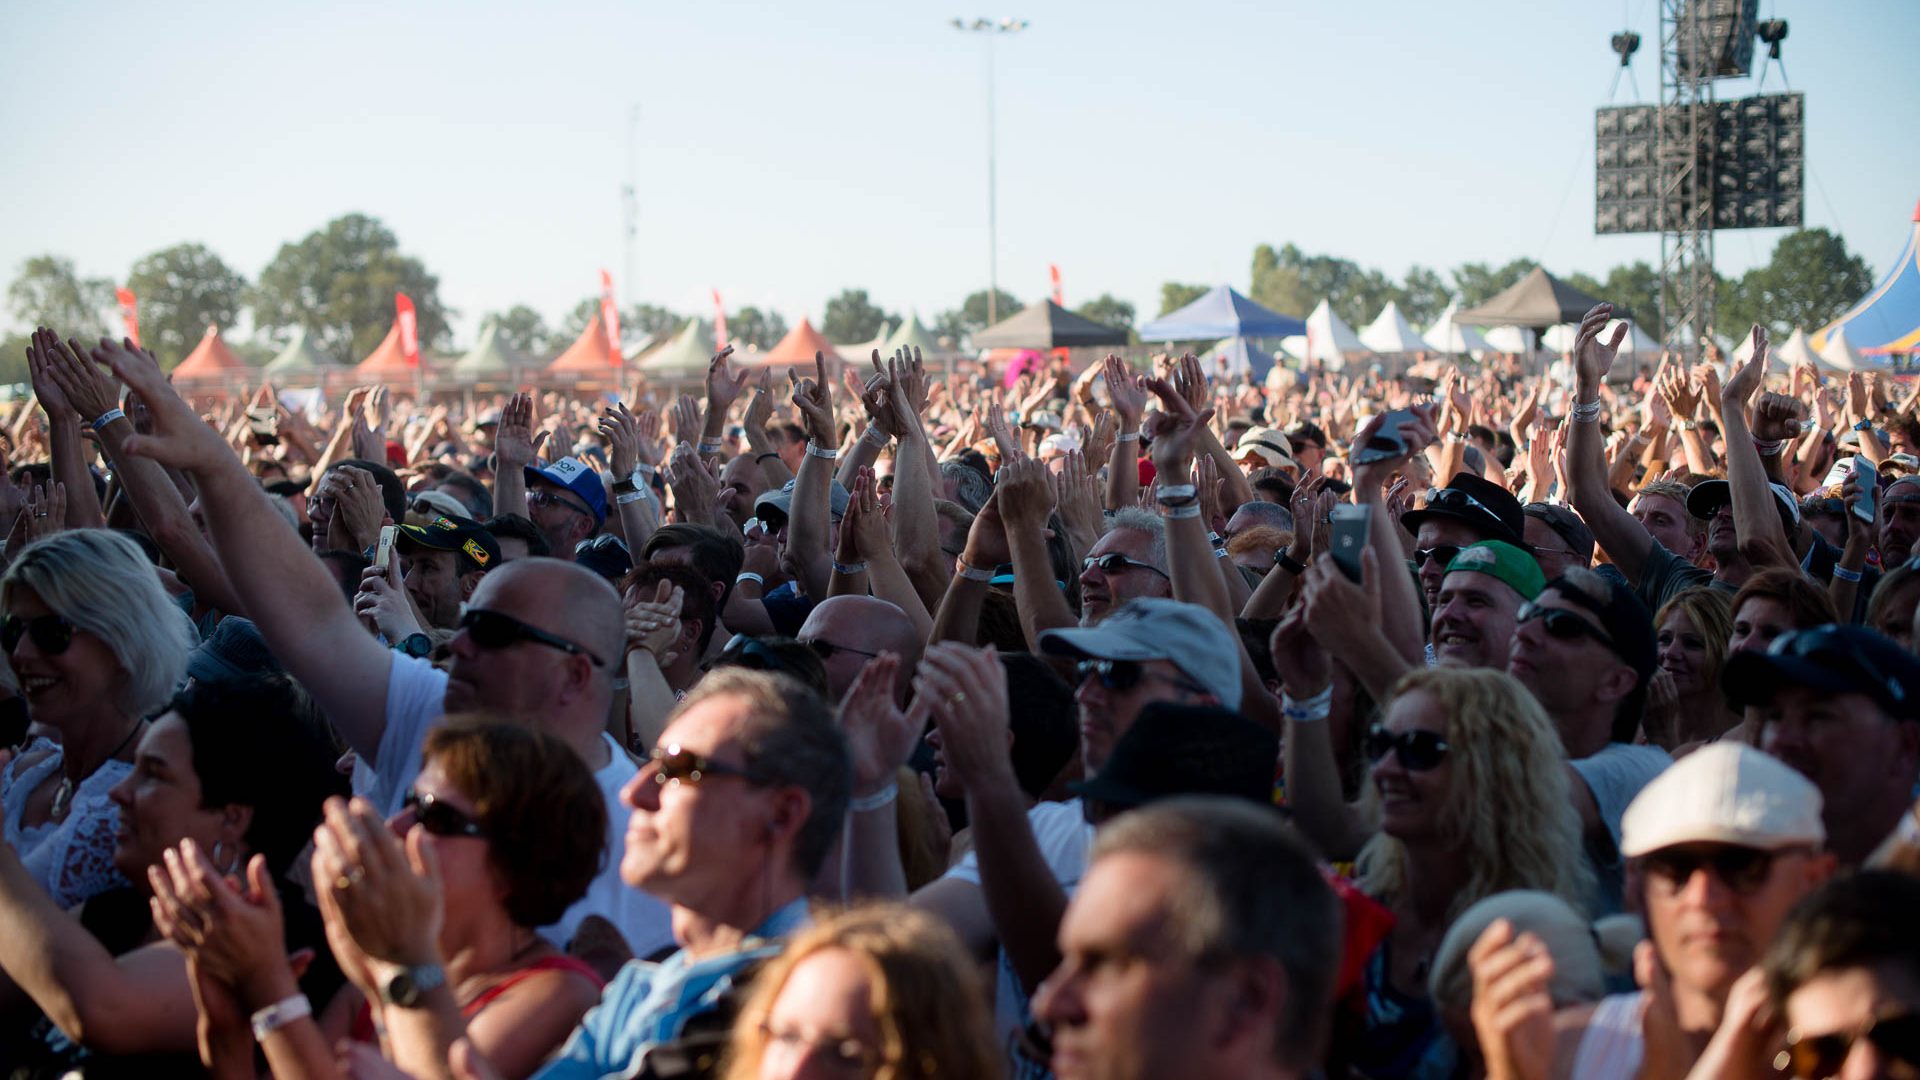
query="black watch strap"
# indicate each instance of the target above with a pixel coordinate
(1288, 563)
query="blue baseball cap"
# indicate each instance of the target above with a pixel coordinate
(578, 477)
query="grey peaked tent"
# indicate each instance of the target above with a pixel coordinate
(1047, 325)
(1537, 300)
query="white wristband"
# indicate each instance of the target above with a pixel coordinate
(631, 497)
(861, 804)
(876, 438)
(279, 1015)
(1128, 436)
(849, 569)
(971, 573)
(748, 575)
(706, 448)
(813, 450)
(107, 417)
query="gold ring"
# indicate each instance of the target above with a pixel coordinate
(349, 879)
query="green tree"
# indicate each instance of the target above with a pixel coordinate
(48, 291)
(1811, 280)
(339, 282)
(1423, 296)
(521, 329)
(182, 289)
(760, 329)
(973, 311)
(1476, 282)
(851, 318)
(1109, 310)
(13, 359)
(650, 320)
(1175, 295)
(1290, 280)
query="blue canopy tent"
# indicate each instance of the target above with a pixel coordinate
(1888, 320)
(1238, 355)
(1221, 313)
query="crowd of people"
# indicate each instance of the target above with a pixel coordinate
(1512, 721)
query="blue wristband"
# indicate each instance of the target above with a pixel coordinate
(107, 417)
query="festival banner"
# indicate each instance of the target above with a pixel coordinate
(719, 322)
(1059, 297)
(129, 313)
(610, 318)
(409, 329)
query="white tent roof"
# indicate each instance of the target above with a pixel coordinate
(1331, 340)
(1513, 339)
(1448, 336)
(1560, 338)
(1391, 333)
(1782, 356)
(1841, 355)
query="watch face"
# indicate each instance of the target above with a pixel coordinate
(400, 989)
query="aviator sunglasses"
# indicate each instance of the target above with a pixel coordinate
(1417, 751)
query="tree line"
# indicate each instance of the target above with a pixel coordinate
(338, 282)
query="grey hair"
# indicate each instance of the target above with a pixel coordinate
(971, 488)
(1250, 887)
(1143, 520)
(791, 739)
(102, 583)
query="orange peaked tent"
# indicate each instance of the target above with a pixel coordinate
(589, 354)
(386, 362)
(798, 347)
(211, 359)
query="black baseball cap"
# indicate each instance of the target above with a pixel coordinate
(1176, 749)
(476, 546)
(1832, 659)
(1566, 525)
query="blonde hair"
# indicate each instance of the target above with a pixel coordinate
(914, 964)
(102, 583)
(1508, 806)
(1711, 612)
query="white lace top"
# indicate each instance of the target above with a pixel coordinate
(72, 859)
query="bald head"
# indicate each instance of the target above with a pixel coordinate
(855, 626)
(561, 598)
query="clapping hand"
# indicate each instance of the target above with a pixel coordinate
(1593, 357)
(653, 622)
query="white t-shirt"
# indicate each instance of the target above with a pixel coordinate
(1065, 838)
(416, 696)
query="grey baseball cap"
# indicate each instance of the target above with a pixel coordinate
(782, 501)
(1188, 636)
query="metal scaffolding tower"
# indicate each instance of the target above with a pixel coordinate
(1685, 154)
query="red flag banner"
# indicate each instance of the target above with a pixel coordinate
(1059, 297)
(610, 317)
(409, 328)
(129, 313)
(719, 322)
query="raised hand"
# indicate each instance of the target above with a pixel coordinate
(1190, 381)
(621, 429)
(814, 399)
(39, 371)
(878, 732)
(1747, 379)
(175, 435)
(1025, 493)
(760, 405)
(688, 419)
(1512, 1002)
(1778, 416)
(723, 385)
(1127, 390)
(864, 523)
(1176, 429)
(514, 443)
(1100, 440)
(987, 545)
(647, 444)
(1302, 664)
(86, 387)
(966, 690)
(1077, 494)
(695, 489)
(388, 891)
(909, 375)
(653, 622)
(1592, 356)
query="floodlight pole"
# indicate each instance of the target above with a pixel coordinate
(992, 28)
(1685, 153)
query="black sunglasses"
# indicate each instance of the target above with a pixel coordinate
(494, 630)
(1817, 1057)
(672, 765)
(438, 818)
(1113, 562)
(1562, 624)
(1742, 869)
(826, 649)
(1443, 552)
(51, 634)
(1417, 750)
(743, 650)
(1121, 676)
(1457, 501)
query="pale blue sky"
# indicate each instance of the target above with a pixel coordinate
(788, 150)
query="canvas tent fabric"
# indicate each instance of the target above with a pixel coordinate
(1512, 339)
(1329, 339)
(589, 354)
(1220, 312)
(1391, 333)
(1537, 300)
(211, 359)
(1560, 338)
(1888, 320)
(912, 335)
(798, 347)
(860, 350)
(1047, 325)
(1241, 355)
(1839, 354)
(386, 361)
(1449, 335)
(684, 355)
(1781, 355)
(489, 355)
(300, 356)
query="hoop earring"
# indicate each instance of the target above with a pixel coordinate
(232, 865)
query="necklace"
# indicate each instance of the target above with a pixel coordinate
(63, 794)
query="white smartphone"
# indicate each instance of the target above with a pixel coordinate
(383, 552)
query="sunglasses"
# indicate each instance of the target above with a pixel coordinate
(1562, 624)
(750, 652)
(826, 649)
(1456, 500)
(1113, 563)
(1817, 1057)
(1742, 869)
(673, 765)
(1121, 676)
(493, 630)
(1417, 751)
(1443, 552)
(51, 634)
(438, 818)
(554, 498)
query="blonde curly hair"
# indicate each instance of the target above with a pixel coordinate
(1508, 806)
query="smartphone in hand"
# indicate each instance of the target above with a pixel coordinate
(383, 552)
(1386, 441)
(1867, 479)
(1351, 524)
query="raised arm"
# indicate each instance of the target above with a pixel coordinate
(1626, 541)
(1400, 610)
(1128, 392)
(514, 447)
(766, 456)
(1026, 503)
(1177, 436)
(639, 511)
(808, 521)
(1756, 517)
(289, 594)
(65, 449)
(916, 525)
(958, 616)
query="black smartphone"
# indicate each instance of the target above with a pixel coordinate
(1386, 442)
(265, 425)
(1867, 479)
(1351, 524)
